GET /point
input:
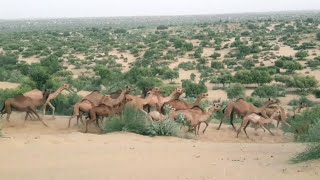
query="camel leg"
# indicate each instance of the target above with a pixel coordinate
(205, 127)
(287, 123)
(239, 130)
(222, 120)
(268, 130)
(33, 110)
(245, 127)
(8, 117)
(53, 110)
(87, 124)
(278, 122)
(231, 122)
(70, 120)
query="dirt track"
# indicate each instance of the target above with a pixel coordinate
(35, 152)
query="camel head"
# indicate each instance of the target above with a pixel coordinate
(105, 99)
(271, 102)
(204, 95)
(46, 94)
(215, 107)
(128, 99)
(179, 90)
(156, 90)
(128, 89)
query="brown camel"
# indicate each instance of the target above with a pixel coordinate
(94, 99)
(243, 108)
(158, 100)
(104, 110)
(24, 104)
(182, 105)
(37, 94)
(196, 117)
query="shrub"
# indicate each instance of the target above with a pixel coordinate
(302, 99)
(311, 153)
(269, 91)
(194, 89)
(235, 91)
(301, 54)
(216, 65)
(133, 120)
(187, 66)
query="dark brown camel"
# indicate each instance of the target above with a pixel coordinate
(243, 108)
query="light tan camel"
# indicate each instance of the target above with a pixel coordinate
(182, 105)
(104, 110)
(259, 121)
(37, 94)
(243, 108)
(158, 100)
(139, 102)
(157, 116)
(196, 117)
(24, 104)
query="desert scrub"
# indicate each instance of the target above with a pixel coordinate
(305, 128)
(133, 120)
(269, 91)
(311, 153)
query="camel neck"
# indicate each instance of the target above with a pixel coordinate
(197, 103)
(58, 91)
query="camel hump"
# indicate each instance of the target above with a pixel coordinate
(19, 97)
(240, 99)
(34, 94)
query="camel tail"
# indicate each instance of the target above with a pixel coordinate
(224, 109)
(3, 108)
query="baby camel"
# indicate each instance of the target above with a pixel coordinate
(259, 121)
(196, 117)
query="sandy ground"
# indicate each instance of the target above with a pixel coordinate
(8, 85)
(35, 152)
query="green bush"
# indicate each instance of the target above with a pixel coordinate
(133, 120)
(269, 91)
(64, 103)
(235, 91)
(311, 153)
(302, 99)
(216, 65)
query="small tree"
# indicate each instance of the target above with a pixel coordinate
(192, 77)
(226, 78)
(215, 55)
(303, 83)
(235, 91)
(216, 65)
(194, 89)
(301, 54)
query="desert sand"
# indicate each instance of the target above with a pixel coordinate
(32, 151)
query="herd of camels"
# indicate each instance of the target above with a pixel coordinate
(98, 106)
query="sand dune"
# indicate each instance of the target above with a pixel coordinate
(35, 152)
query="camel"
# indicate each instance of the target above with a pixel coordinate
(91, 100)
(158, 100)
(258, 121)
(24, 104)
(285, 114)
(139, 102)
(196, 117)
(182, 105)
(243, 108)
(104, 110)
(37, 94)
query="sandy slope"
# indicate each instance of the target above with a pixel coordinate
(37, 153)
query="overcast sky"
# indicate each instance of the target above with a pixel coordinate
(12, 9)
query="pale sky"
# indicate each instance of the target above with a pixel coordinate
(12, 9)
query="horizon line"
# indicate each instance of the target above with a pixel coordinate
(176, 15)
